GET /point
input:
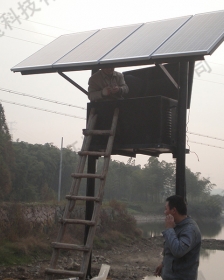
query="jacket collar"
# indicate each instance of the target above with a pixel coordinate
(105, 76)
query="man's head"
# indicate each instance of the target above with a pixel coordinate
(175, 205)
(108, 71)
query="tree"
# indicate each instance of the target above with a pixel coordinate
(197, 188)
(6, 157)
(159, 179)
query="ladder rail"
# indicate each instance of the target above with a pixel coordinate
(97, 208)
(75, 186)
(73, 197)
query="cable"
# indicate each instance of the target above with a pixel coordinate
(41, 98)
(82, 108)
(36, 108)
(207, 145)
(205, 136)
(31, 31)
(24, 40)
(208, 81)
(48, 25)
(216, 74)
(216, 63)
(67, 115)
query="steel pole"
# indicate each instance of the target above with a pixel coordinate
(181, 129)
(90, 191)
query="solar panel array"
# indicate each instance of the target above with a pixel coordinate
(178, 37)
(145, 40)
(199, 36)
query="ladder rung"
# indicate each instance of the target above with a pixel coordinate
(86, 175)
(90, 153)
(88, 132)
(64, 272)
(76, 221)
(66, 246)
(87, 198)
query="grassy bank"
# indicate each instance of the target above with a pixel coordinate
(21, 243)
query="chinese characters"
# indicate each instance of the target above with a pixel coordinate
(24, 11)
(202, 66)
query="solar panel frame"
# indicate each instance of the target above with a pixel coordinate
(188, 37)
(60, 47)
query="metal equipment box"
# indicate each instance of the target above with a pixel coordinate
(146, 125)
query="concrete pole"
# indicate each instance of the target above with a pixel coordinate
(60, 168)
(181, 129)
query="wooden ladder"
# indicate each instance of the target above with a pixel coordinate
(74, 196)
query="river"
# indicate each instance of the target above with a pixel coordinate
(211, 261)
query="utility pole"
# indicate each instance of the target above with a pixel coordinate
(59, 183)
(11, 128)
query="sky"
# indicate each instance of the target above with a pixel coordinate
(34, 24)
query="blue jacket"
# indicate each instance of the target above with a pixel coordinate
(181, 251)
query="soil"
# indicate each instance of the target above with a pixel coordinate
(127, 261)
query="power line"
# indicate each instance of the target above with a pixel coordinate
(207, 145)
(31, 31)
(216, 63)
(202, 135)
(67, 115)
(71, 105)
(41, 98)
(216, 74)
(24, 40)
(41, 109)
(208, 81)
(48, 25)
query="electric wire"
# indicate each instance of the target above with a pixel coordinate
(24, 40)
(73, 116)
(216, 74)
(48, 25)
(82, 108)
(207, 145)
(209, 81)
(216, 63)
(202, 135)
(31, 31)
(41, 98)
(41, 109)
(187, 138)
(42, 24)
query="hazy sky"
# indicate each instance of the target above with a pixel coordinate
(47, 20)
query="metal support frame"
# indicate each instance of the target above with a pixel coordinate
(168, 75)
(181, 129)
(73, 83)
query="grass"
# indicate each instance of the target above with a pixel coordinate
(23, 251)
(21, 243)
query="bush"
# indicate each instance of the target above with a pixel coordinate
(116, 226)
(210, 208)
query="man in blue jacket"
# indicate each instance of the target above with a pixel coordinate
(182, 243)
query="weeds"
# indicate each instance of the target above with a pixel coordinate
(22, 242)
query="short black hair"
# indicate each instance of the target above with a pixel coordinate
(178, 202)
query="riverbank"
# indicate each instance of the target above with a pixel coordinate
(130, 260)
(148, 218)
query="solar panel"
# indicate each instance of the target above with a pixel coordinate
(45, 57)
(189, 36)
(199, 36)
(144, 41)
(97, 46)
